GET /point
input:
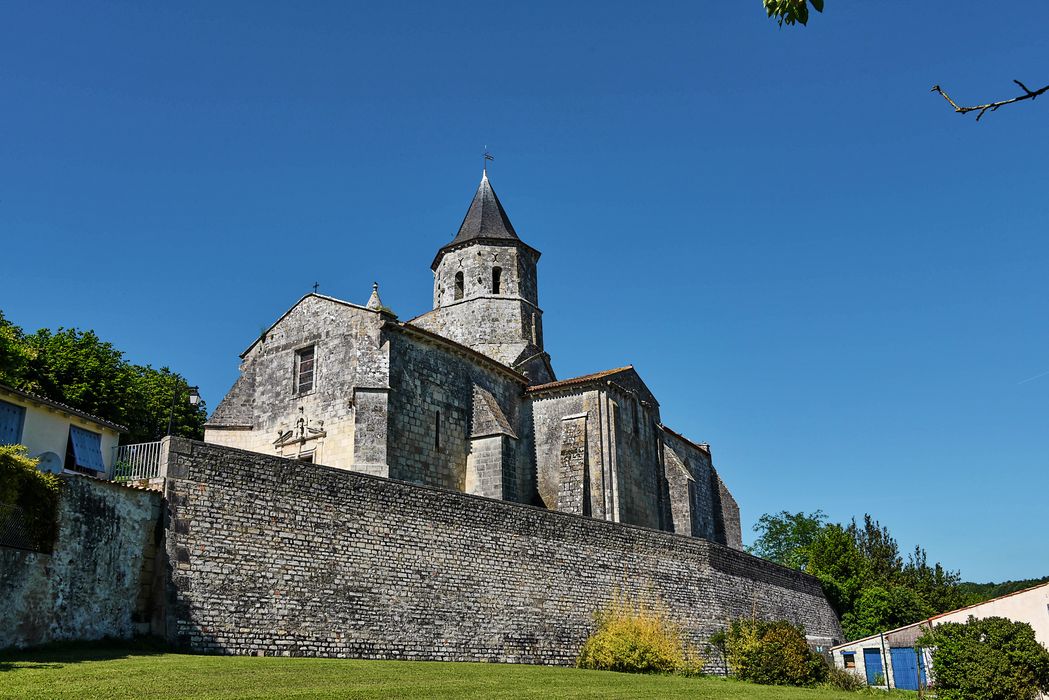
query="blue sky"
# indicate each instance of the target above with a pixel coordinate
(815, 265)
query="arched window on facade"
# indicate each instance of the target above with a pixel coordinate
(497, 279)
(458, 285)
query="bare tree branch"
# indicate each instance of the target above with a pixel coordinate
(991, 106)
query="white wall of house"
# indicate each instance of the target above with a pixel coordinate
(46, 429)
(1030, 606)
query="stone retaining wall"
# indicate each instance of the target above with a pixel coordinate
(98, 581)
(276, 557)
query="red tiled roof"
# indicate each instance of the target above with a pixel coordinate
(579, 380)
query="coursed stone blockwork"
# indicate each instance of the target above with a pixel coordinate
(275, 557)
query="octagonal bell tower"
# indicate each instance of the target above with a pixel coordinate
(485, 290)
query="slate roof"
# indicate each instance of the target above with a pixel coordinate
(488, 417)
(485, 220)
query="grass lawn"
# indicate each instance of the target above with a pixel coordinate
(85, 672)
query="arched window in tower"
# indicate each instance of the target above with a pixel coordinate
(497, 279)
(458, 285)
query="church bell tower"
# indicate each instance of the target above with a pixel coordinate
(485, 290)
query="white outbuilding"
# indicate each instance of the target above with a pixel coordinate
(892, 659)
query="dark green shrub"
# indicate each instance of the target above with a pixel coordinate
(989, 659)
(840, 679)
(636, 638)
(24, 486)
(772, 653)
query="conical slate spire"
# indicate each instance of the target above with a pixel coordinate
(485, 220)
(486, 217)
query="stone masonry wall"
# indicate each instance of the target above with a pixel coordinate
(280, 558)
(432, 392)
(682, 456)
(98, 580)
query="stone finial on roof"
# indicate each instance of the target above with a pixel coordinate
(374, 302)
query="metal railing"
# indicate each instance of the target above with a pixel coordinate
(139, 461)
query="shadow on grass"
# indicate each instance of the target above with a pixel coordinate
(58, 654)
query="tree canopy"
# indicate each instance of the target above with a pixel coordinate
(81, 370)
(792, 11)
(864, 576)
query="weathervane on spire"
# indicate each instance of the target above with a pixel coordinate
(487, 157)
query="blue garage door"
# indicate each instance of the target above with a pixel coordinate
(908, 671)
(11, 419)
(872, 662)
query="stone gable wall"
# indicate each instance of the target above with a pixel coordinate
(349, 353)
(277, 558)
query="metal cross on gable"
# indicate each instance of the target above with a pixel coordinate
(316, 286)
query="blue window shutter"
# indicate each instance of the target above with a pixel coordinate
(87, 448)
(12, 418)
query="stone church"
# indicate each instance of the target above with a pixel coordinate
(465, 397)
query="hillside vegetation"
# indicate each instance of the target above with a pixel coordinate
(974, 593)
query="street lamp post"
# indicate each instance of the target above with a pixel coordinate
(194, 400)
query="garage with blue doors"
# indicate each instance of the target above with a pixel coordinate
(888, 660)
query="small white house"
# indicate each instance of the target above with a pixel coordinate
(892, 659)
(61, 437)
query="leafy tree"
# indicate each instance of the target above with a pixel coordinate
(989, 659)
(879, 608)
(841, 568)
(972, 593)
(861, 570)
(15, 354)
(80, 369)
(878, 547)
(785, 537)
(937, 586)
(792, 11)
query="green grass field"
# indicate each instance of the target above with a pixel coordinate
(85, 673)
